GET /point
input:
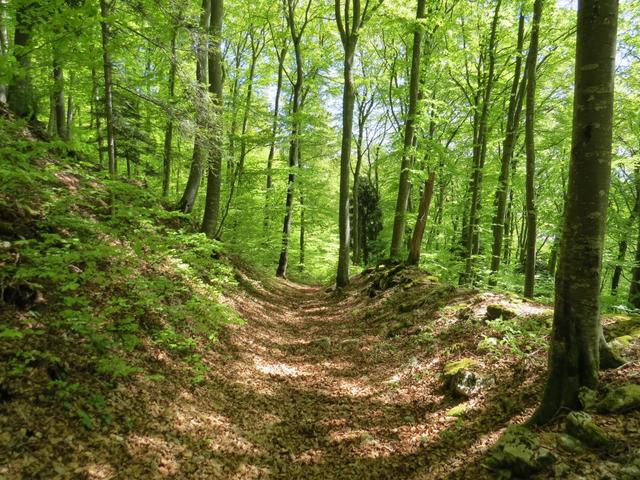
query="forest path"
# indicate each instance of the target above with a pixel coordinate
(303, 394)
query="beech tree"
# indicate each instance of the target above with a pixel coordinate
(574, 358)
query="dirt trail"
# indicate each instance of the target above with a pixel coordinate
(307, 396)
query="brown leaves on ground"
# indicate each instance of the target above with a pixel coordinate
(314, 385)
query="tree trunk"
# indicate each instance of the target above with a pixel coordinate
(348, 102)
(70, 106)
(20, 90)
(479, 154)
(108, 88)
(256, 48)
(532, 60)
(4, 43)
(185, 204)
(58, 95)
(294, 143)
(574, 356)
(97, 115)
(274, 132)
(214, 176)
(168, 129)
(513, 120)
(302, 232)
(421, 222)
(399, 219)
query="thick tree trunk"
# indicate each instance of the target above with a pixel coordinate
(108, 88)
(513, 120)
(168, 129)
(532, 60)
(574, 357)
(214, 176)
(20, 90)
(404, 186)
(185, 204)
(421, 222)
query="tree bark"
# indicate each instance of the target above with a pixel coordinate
(58, 96)
(4, 42)
(20, 90)
(532, 60)
(508, 145)
(404, 186)
(421, 222)
(274, 132)
(479, 152)
(168, 129)
(574, 357)
(185, 204)
(214, 175)
(294, 143)
(108, 87)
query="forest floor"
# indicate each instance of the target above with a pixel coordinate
(318, 384)
(133, 348)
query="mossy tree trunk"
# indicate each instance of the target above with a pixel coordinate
(574, 357)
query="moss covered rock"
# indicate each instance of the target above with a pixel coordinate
(496, 311)
(518, 453)
(620, 400)
(460, 379)
(581, 426)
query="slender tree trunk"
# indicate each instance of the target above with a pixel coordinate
(274, 132)
(70, 106)
(302, 232)
(532, 60)
(576, 338)
(348, 102)
(421, 222)
(97, 115)
(404, 189)
(4, 43)
(617, 271)
(199, 144)
(214, 176)
(108, 87)
(294, 143)
(357, 239)
(256, 48)
(58, 95)
(623, 244)
(168, 129)
(480, 150)
(513, 119)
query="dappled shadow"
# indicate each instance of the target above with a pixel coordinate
(306, 388)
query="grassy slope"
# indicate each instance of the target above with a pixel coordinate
(98, 304)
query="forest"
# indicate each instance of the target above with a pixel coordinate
(305, 239)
